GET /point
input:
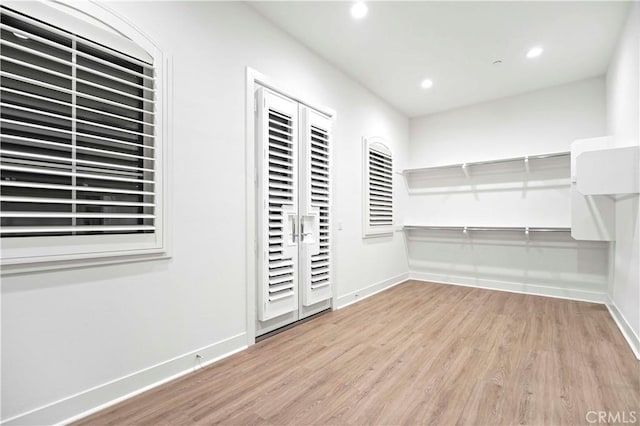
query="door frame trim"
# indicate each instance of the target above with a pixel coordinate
(254, 78)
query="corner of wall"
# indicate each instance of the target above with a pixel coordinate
(358, 295)
(623, 110)
(625, 328)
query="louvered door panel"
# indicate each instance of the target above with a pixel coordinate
(277, 159)
(315, 208)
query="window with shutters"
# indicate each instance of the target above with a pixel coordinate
(81, 148)
(378, 188)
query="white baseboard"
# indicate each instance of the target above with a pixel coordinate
(513, 287)
(358, 295)
(632, 338)
(102, 396)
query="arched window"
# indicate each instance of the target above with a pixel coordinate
(82, 137)
(378, 188)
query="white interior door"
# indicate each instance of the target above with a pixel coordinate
(315, 208)
(294, 190)
(277, 128)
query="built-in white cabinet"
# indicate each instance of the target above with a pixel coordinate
(600, 171)
(609, 171)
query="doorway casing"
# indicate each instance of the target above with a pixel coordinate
(253, 79)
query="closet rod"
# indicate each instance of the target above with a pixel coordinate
(486, 228)
(481, 163)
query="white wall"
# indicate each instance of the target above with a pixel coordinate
(118, 328)
(623, 115)
(540, 122)
(544, 264)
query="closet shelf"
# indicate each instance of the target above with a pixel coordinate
(464, 166)
(466, 229)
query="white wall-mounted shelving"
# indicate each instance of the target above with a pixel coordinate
(505, 192)
(526, 162)
(467, 230)
(525, 229)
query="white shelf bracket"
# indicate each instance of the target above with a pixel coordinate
(526, 233)
(526, 163)
(465, 170)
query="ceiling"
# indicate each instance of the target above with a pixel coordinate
(398, 44)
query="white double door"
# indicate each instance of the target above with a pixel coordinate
(294, 204)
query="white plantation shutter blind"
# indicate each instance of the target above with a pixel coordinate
(316, 195)
(277, 126)
(378, 203)
(77, 134)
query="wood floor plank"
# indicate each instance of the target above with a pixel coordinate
(418, 353)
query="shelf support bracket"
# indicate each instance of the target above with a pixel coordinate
(465, 170)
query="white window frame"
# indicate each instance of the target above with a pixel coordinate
(379, 144)
(31, 254)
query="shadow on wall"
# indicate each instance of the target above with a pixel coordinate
(549, 259)
(378, 239)
(78, 276)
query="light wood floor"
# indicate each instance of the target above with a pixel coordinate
(418, 353)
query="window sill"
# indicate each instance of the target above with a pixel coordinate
(79, 263)
(376, 234)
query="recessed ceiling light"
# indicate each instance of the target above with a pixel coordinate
(359, 10)
(426, 83)
(22, 36)
(535, 51)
